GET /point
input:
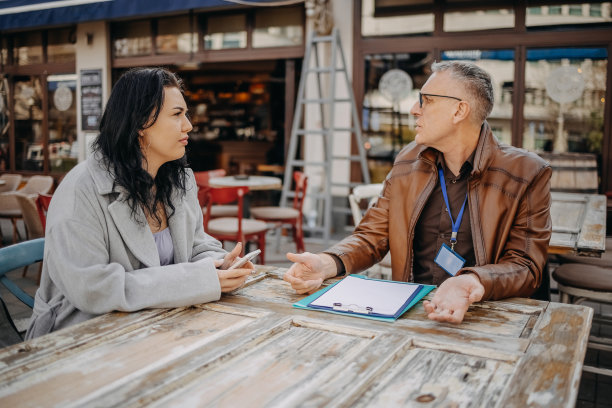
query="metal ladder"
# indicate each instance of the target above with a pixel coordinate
(326, 131)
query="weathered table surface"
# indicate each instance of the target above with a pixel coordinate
(578, 224)
(253, 349)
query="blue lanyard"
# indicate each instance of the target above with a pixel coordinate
(457, 223)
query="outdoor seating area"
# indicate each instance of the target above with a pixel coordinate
(306, 203)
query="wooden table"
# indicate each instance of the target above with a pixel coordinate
(252, 182)
(252, 349)
(579, 224)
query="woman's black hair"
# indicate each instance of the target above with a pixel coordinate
(134, 105)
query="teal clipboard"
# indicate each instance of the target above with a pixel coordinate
(303, 304)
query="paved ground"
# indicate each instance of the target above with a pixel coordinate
(595, 390)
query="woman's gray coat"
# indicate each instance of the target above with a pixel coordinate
(99, 258)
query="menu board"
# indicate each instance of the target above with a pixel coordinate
(91, 98)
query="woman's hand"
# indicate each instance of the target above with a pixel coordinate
(234, 278)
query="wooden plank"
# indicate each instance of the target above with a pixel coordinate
(567, 215)
(47, 349)
(441, 379)
(593, 232)
(549, 373)
(136, 351)
(279, 371)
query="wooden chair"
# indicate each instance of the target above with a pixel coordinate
(42, 205)
(9, 208)
(288, 215)
(581, 279)
(237, 229)
(33, 223)
(12, 182)
(369, 192)
(202, 180)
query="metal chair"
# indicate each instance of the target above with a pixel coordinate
(13, 257)
(42, 205)
(288, 215)
(369, 192)
(582, 279)
(237, 229)
(17, 256)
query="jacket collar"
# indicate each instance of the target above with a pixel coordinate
(487, 144)
(133, 228)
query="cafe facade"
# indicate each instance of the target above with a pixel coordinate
(241, 64)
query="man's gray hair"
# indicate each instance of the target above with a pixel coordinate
(477, 82)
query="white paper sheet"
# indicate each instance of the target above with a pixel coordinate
(384, 297)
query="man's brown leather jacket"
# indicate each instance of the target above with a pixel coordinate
(509, 204)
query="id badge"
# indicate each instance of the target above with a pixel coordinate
(449, 260)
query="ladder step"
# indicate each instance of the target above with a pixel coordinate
(312, 131)
(323, 131)
(326, 100)
(323, 38)
(351, 158)
(300, 163)
(325, 69)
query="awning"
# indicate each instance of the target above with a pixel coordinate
(16, 14)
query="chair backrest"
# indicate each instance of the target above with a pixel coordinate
(31, 219)
(17, 256)
(12, 182)
(38, 185)
(42, 205)
(301, 184)
(225, 195)
(202, 180)
(364, 191)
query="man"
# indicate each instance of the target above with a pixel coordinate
(492, 243)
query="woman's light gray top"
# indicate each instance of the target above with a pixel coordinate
(165, 248)
(100, 257)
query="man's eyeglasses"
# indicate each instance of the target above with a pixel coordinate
(439, 96)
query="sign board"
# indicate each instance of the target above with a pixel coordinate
(91, 98)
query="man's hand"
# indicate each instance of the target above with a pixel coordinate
(453, 298)
(309, 271)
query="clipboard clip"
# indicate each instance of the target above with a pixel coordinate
(352, 308)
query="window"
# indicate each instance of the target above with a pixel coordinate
(478, 20)
(373, 25)
(61, 45)
(564, 99)
(569, 14)
(225, 31)
(278, 27)
(387, 123)
(28, 123)
(27, 48)
(61, 93)
(174, 35)
(132, 39)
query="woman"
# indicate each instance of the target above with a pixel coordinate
(124, 229)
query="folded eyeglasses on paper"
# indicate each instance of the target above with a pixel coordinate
(439, 96)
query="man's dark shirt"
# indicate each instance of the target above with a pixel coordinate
(434, 225)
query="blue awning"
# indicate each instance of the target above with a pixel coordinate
(533, 54)
(16, 14)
